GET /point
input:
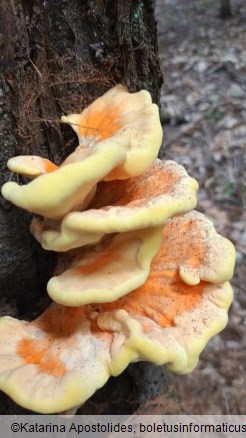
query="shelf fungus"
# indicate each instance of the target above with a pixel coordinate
(140, 275)
(119, 137)
(121, 206)
(128, 119)
(57, 362)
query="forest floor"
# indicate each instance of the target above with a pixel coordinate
(203, 113)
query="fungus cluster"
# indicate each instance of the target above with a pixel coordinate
(140, 275)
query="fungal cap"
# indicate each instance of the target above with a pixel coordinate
(121, 116)
(167, 320)
(121, 206)
(204, 254)
(47, 370)
(30, 166)
(176, 339)
(56, 193)
(46, 365)
(108, 271)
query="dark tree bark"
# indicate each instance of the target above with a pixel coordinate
(56, 57)
(225, 8)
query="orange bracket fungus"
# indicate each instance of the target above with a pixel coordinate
(120, 206)
(140, 276)
(119, 135)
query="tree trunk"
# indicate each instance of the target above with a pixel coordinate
(56, 57)
(225, 8)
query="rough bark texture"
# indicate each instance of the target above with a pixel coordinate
(225, 8)
(56, 57)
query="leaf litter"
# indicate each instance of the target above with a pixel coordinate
(203, 110)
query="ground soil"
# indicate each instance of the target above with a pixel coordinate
(203, 110)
